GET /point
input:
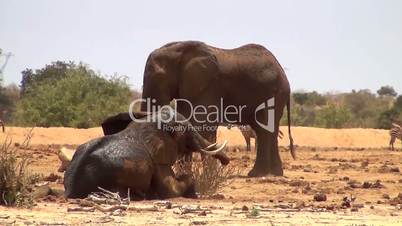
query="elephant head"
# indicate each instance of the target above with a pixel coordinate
(166, 66)
(188, 138)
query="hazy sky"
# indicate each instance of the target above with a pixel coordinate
(324, 45)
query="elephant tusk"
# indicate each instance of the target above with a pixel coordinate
(211, 146)
(215, 151)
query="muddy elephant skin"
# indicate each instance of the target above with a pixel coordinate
(136, 155)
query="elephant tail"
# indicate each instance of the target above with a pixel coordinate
(291, 146)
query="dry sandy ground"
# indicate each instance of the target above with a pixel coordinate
(333, 162)
(303, 136)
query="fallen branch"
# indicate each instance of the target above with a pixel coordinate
(80, 209)
(109, 194)
(193, 209)
(110, 208)
(104, 201)
(144, 208)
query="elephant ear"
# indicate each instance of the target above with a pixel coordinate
(200, 69)
(119, 122)
(116, 123)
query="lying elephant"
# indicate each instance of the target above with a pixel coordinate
(139, 156)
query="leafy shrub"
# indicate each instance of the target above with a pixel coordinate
(310, 98)
(360, 108)
(333, 116)
(50, 73)
(388, 117)
(79, 98)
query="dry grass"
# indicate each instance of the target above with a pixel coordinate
(15, 182)
(208, 173)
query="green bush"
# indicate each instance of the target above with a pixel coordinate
(386, 118)
(360, 108)
(332, 116)
(69, 94)
(391, 115)
(80, 98)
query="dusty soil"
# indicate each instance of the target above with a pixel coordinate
(303, 136)
(351, 163)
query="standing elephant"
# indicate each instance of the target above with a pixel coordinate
(247, 76)
(139, 156)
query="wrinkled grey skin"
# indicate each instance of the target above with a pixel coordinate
(135, 155)
(203, 75)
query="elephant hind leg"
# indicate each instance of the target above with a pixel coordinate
(268, 160)
(166, 185)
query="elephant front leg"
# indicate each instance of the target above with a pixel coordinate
(168, 186)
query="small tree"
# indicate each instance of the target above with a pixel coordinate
(386, 119)
(300, 98)
(387, 91)
(398, 103)
(389, 116)
(52, 72)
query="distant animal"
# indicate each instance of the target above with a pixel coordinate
(395, 133)
(2, 125)
(138, 156)
(249, 133)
